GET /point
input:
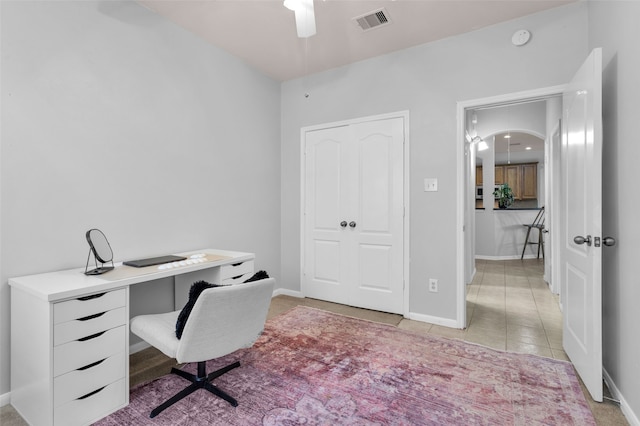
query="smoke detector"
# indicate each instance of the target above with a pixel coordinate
(371, 20)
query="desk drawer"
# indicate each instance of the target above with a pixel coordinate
(86, 306)
(235, 270)
(237, 280)
(80, 353)
(77, 383)
(87, 326)
(92, 407)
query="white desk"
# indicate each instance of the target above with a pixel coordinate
(70, 334)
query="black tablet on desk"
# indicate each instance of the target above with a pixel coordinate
(141, 263)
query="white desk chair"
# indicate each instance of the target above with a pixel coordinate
(223, 320)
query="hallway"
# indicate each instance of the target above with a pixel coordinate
(510, 307)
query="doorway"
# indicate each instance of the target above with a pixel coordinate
(579, 229)
(503, 289)
(466, 217)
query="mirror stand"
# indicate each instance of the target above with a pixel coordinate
(98, 269)
(99, 246)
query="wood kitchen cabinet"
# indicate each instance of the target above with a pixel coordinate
(478, 175)
(522, 178)
(499, 175)
(529, 181)
(512, 174)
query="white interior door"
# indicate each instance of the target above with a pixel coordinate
(325, 213)
(581, 251)
(353, 214)
(377, 230)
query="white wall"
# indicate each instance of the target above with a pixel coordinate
(500, 234)
(115, 118)
(614, 27)
(428, 81)
(527, 117)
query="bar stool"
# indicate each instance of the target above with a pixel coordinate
(538, 223)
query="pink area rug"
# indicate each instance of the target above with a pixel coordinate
(312, 367)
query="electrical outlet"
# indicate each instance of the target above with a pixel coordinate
(431, 184)
(433, 285)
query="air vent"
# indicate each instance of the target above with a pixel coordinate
(372, 20)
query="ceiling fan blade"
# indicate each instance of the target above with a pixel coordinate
(305, 19)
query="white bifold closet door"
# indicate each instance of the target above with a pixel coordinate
(353, 214)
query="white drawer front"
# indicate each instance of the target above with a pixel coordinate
(235, 270)
(82, 307)
(76, 354)
(77, 383)
(93, 407)
(82, 327)
(237, 280)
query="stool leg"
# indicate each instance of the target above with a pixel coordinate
(526, 241)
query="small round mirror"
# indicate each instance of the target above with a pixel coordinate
(99, 245)
(101, 250)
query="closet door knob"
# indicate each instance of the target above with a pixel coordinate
(343, 223)
(352, 224)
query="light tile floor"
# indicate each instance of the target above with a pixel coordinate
(509, 307)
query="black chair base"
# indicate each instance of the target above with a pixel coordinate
(198, 381)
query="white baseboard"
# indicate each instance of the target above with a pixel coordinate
(137, 347)
(5, 399)
(287, 292)
(433, 320)
(632, 418)
(510, 257)
(473, 275)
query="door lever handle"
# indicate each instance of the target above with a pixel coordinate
(579, 240)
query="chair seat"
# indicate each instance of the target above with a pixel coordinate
(158, 330)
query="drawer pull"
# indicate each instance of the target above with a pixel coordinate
(90, 317)
(236, 277)
(236, 264)
(93, 296)
(91, 393)
(93, 364)
(93, 336)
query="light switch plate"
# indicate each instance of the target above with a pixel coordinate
(430, 184)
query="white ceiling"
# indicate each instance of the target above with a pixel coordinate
(518, 142)
(263, 33)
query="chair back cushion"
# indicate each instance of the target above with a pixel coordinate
(225, 319)
(194, 292)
